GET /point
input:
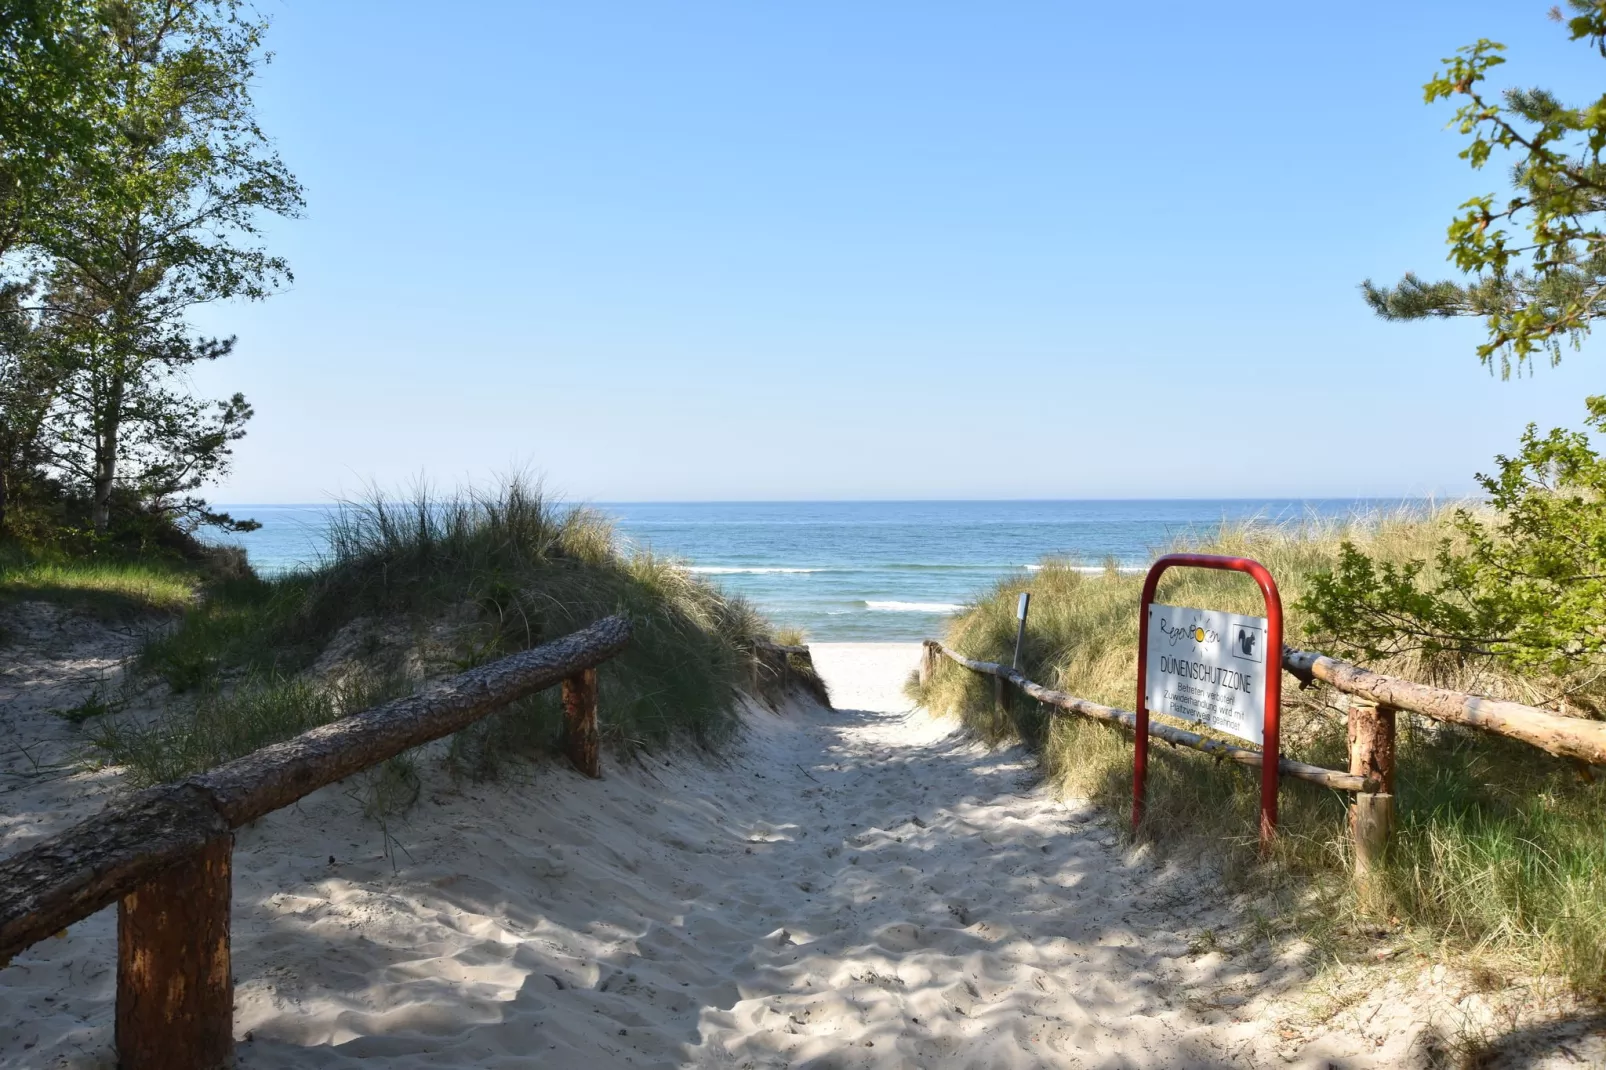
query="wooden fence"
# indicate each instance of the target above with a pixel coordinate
(774, 662)
(165, 855)
(1374, 700)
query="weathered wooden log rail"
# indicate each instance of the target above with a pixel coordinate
(1565, 737)
(164, 855)
(1330, 778)
(1375, 699)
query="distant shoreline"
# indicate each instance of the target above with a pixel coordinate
(874, 571)
(1383, 499)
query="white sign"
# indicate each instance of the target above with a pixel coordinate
(1208, 667)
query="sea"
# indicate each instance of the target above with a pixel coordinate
(864, 570)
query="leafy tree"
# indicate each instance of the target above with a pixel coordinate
(1528, 588)
(28, 385)
(1538, 258)
(49, 77)
(134, 410)
(164, 218)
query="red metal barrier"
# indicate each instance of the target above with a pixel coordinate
(1274, 681)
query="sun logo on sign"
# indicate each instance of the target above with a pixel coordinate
(1198, 633)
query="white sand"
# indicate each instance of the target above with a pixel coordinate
(52, 660)
(857, 888)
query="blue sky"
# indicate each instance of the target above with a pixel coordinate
(885, 250)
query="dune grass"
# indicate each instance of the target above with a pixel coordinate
(434, 586)
(1500, 849)
(109, 589)
(227, 724)
(791, 636)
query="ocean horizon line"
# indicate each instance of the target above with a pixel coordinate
(564, 499)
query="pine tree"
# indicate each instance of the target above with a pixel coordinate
(1538, 258)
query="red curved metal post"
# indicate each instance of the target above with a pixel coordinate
(1270, 737)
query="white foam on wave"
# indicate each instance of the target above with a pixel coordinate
(914, 607)
(730, 570)
(1095, 570)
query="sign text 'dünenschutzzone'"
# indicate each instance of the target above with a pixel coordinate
(1208, 667)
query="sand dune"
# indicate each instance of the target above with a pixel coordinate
(852, 888)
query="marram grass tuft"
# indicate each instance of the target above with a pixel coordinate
(432, 586)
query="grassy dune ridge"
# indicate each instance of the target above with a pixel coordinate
(106, 588)
(429, 587)
(1501, 848)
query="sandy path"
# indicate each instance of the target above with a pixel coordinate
(52, 660)
(851, 888)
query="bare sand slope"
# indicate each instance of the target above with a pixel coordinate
(851, 888)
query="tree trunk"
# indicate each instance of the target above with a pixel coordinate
(5, 494)
(106, 455)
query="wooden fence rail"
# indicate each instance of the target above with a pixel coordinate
(1371, 730)
(164, 855)
(1565, 737)
(1330, 778)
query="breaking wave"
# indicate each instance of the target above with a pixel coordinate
(914, 607)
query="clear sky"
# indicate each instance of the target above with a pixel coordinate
(888, 250)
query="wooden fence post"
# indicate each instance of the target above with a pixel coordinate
(175, 994)
(1371, 754)
(765, 669)
(580, 737)
(929, 653)
(1000, 705)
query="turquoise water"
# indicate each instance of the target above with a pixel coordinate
(865, 570)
